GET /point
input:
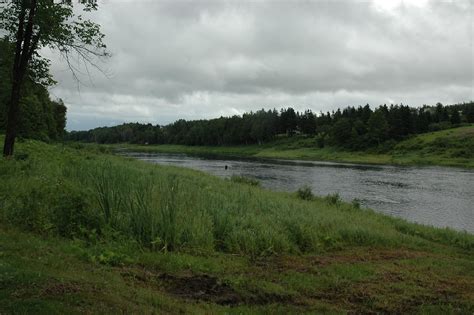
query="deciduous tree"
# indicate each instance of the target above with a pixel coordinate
(33, 24)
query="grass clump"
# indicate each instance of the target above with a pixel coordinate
(305, 193)
(356, 203)
(333, 199)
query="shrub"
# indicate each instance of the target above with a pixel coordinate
(305, 193)
(333, 199)
(46, 206)
(356, 203)
(71, 214)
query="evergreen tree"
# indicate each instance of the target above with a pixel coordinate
(378, 127)
(341, 132)
(455, 117)
(288, 121)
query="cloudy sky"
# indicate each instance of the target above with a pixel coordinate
(205, 59)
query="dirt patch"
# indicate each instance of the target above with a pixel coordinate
(60, 289)
(210, 289)
(201, 287)
(466, 133)
(397, 292)
(368, 255)
(139, 275)
(309, 263)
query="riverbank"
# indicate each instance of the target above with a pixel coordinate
(452, 147)
(87, 232)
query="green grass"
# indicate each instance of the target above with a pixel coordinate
(452, 147)
(86, 232)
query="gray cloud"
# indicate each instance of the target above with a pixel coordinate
(196, 59)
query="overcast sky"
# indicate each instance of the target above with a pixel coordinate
(205, 59)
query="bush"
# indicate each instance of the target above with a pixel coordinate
(71, 214)
(333, 199)
(305, 193)
(320, 140)
(59, 207)
(356, 203)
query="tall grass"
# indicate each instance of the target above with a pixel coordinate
(69, 192)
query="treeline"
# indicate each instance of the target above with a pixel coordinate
(40, 117)
(352, 128)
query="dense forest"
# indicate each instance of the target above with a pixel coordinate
(40, 117)
(351, 128)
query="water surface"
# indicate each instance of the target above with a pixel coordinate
(438, 196)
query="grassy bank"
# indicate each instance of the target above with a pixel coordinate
(453, 147)
(81, 231)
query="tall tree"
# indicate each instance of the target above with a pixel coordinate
(288, 120)
(378, 127)
(33, 24)
(341, 132)
(455, 117)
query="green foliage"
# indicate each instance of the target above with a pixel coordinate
(455, 143)
(111, 258)
(40, 117)
(455, 117)
(351, 128)
(305, 193)
(341, 132)
(58, 26)
(454, 147)
(378, 127)
(86, 195)
(169, 228)
(50, 275)
(333, 199)
(356, 203)
(50, 207)
(31, 26)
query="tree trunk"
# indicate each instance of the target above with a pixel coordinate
(12, 120)
(23, 52)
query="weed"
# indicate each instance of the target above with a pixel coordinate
(356, 203)
(333, 199)
(305, 193)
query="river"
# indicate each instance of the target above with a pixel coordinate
(438, 196)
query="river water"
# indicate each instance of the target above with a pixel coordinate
(438, 196)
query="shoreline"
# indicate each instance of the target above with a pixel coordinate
(252, 152)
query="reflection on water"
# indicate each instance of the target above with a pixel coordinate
(436, 196)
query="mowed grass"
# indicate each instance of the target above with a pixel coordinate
(86, 232)
(452, 147)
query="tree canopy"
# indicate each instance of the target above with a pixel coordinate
(351, 128)
(40, 117)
